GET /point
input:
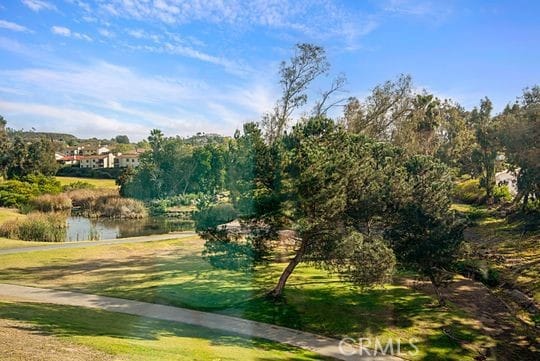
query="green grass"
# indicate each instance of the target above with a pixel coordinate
(138, 338)
(173, 272)
(99, 183)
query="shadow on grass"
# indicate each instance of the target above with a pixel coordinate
(313, 301)
(68, 321)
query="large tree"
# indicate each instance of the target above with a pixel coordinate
(485, 154)
(519, 134)
(308, 62)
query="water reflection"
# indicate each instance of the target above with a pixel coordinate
(84, 229)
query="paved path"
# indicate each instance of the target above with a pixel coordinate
(321, 345)
(81, 244)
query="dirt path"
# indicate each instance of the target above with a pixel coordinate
(514, 340)
(321, 345)
(81, 244)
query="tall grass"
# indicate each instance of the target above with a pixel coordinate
(106, 203)
(52, 203)
(37, 226)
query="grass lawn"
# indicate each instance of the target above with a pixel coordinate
(133, 338)
(99, 183)
(172, 272)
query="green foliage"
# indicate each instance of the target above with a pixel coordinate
(77, 185)
(173, 167)
(469, 191)
(519, 135)
(501, 194)
(211, 217)
(122, 139)
(363, 261)
(16, 193)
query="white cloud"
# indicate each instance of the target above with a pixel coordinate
(106, 33)
(38, 5)
(120, 95)
(63, 31)
(13, 26)
(313, 18)
(70, 120)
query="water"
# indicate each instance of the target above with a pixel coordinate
(84, 229)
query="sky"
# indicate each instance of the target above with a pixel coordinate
(102, 68)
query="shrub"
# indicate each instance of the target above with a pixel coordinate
(213, 216)
(42, 227)
(469, 191)
(14, 193)
(502, 194)
(52, 203)
(17, 193)
(77, 185)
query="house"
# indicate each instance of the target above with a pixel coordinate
(126, 160)
(69, 160)
(97, 161)
(87, 151)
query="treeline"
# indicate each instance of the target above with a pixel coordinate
(360, 193)
(176, 166)
(20, 157)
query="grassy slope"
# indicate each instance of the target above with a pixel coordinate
(99, 183)
(172, 272)
(510, 247)
(137, 338)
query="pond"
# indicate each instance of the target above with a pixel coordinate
(84, 229)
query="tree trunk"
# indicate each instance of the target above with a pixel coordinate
(436, 287)
(277, 292)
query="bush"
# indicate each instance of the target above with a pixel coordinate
(52, 203)
(107, 173)
(213, 216)
(77, 185)
(502, 194)
(469, 192)
(14, 193)
(38, 227)
(17, 193)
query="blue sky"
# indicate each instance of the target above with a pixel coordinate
(101, 68)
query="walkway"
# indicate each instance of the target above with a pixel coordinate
(82, 244)
(321, 345)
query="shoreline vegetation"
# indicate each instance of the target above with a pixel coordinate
(45, 204)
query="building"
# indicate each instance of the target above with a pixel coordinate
(126, 160)
(86, 151)
(97, 161)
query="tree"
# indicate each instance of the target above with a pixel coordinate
(519, 134)
(487, 148)
(4, 146)
(423, 232)
(384, 109)
(122, 139)
(308, 62)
